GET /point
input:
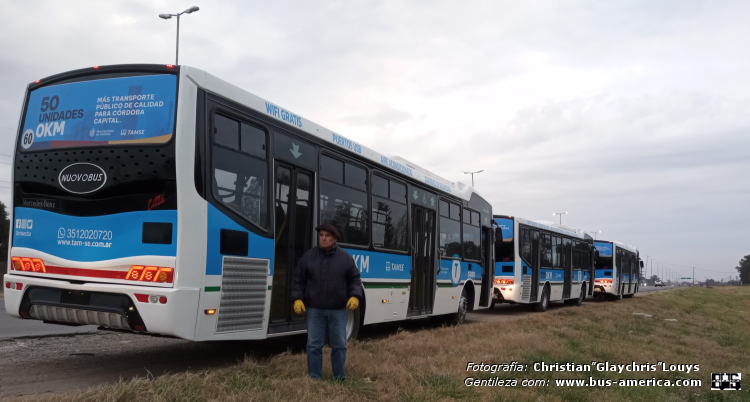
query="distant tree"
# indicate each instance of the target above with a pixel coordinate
(653, 279)
(4, 232)
(744, 270)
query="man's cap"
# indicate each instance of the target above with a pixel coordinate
(330, 229)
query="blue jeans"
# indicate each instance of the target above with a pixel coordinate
(318, 320)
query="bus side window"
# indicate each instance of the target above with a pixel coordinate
(240, 179)
(546, 251)
(343, 200)
(389, 219)
(450, 229)
(526, 246)
(471, 240)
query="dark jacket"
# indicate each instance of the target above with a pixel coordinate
(326, 279)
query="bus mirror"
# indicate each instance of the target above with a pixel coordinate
(596, 254)
(641, 261)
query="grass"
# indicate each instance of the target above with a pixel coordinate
(712, 330)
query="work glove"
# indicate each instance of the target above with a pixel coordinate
(299, 307)
(353, 303)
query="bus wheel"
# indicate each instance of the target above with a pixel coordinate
(353, 321)
(459, 317)
(582, 296)
(543, 301)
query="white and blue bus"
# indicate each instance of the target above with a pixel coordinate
(617, 270)
(160, 199)
(538, 262)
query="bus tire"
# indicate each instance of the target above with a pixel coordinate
(577, 302)
(541, 306)
(459, 317)
(353, 323)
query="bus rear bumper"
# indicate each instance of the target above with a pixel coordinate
(163, 311)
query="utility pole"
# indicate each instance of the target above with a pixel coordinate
(693, 276)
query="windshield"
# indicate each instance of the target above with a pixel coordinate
(113, 111)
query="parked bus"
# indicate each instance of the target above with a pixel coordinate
(163, 200)
(617, 270)
(538, 262)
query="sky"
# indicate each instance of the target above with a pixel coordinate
(631, 115)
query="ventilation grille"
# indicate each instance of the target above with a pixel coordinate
(78, 316)
(243, 294)
(526, 288)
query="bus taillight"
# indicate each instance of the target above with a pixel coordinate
(16, 263)
(38, 265)
(164, 275)
(26, 264)
(135, 272)
(150, 274)
(500, 281)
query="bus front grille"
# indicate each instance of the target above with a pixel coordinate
(244, 285)
(79, 316)
(526, 288)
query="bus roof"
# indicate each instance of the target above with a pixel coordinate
(394, 164)
(620, 245)
(546, 225)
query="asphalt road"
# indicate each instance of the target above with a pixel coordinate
(16, 328)
(73, 360)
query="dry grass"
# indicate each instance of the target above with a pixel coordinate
(430, 365)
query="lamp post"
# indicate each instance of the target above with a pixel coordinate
(169, 16)
(561, 214)
(472, 175)
(598, 231)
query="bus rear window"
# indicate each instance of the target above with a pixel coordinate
(125, 110)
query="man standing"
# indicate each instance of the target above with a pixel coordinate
(327, 282)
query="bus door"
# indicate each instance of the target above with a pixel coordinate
(631, 277)
(620, 268)
(424, 261)
(593, 256)
(488, 262)
(293, 216)
(535, 259)
(567, 269)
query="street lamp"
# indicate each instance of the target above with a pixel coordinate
(472, 175)
(561, 214)
(169, 16)
(598, 231)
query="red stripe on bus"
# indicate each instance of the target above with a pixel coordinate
(93, 273)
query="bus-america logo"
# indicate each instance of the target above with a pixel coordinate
(82, 178)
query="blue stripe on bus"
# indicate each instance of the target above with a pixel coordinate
(499, 268)
(600, 273)
(88, 238)
(379, 265)
(458, 271)
(258, 247)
